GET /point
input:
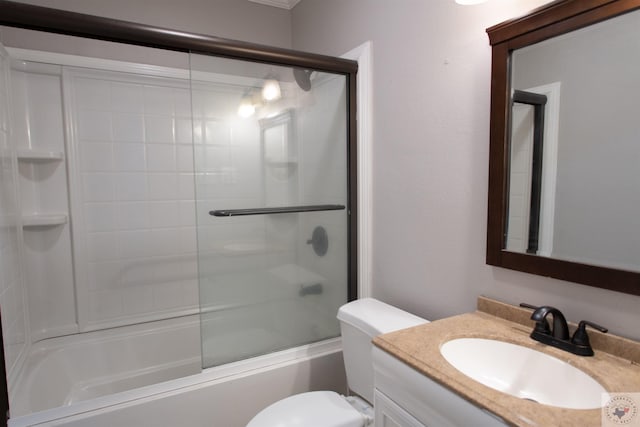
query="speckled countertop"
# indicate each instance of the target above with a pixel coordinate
(616, 364)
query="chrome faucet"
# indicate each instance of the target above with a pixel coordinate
(559, 336)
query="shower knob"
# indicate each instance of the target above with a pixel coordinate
(319, 241)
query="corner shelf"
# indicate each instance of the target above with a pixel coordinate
(43, 220)
(39, 156)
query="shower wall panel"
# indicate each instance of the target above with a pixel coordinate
(39, 139)
(134, 197)
(12, 292)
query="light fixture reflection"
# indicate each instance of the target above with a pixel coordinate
(259, 101)
(271, 90)
(246, 108)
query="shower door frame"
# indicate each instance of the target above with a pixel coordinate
(57, 21)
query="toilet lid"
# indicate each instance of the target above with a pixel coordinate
(312, 409)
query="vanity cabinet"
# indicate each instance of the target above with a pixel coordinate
(415, 370)
(406, 398)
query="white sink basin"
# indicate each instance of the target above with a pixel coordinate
(523, 372)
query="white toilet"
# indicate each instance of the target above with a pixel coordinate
(360, 322)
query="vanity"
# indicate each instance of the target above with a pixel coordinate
(417, 386)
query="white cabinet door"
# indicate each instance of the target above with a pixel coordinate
(389, 414)
(422, 399)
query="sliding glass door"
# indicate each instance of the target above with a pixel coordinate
(271, 171)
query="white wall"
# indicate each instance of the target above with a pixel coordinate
(431, 83)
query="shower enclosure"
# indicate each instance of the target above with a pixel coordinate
(160, 220)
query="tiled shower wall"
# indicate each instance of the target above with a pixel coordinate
(14, 328)
(135, 197)
(132, 142)
(229, 176)
(130, 161)
(136, 141)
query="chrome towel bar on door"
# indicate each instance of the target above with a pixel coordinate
(278, 210)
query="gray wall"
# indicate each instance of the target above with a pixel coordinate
(431, 76)
(431, 71)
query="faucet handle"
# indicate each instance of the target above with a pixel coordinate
(532, 307)
(581, 338)
(593, 325)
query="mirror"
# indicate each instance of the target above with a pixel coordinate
(564, 182)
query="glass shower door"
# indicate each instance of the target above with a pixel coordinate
(270, 146)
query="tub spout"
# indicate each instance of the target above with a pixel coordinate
(315, 289)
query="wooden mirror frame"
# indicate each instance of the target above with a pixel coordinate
(556, 18)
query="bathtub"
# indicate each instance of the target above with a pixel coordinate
(129, 376)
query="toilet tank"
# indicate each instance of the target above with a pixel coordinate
(360, 322)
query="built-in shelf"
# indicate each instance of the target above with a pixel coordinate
(43, 220)
(28, 155)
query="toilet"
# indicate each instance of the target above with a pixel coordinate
(360, 322)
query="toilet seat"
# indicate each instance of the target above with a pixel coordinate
(312, 409)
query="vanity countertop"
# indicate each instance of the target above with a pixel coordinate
(615, 365)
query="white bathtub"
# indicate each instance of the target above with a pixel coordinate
(150, 375)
